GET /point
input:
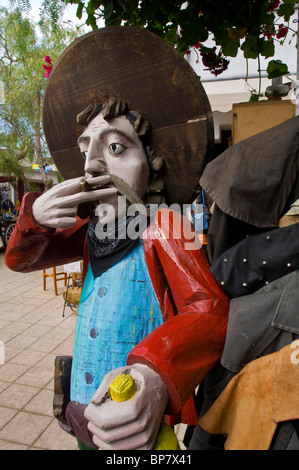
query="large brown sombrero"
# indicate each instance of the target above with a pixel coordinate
(141, 68)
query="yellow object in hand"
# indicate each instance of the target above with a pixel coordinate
(123, 388)
(166, 439)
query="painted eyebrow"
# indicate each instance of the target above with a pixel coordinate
(104, 132)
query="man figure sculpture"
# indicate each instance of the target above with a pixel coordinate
(149, 305)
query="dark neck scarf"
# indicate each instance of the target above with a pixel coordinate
(111, 246)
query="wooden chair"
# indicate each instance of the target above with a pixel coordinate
(73, 289)
(61, 276)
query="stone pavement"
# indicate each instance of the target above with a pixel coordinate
(33, 332)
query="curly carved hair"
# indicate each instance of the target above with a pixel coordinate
(113, 107)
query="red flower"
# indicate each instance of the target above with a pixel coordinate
(48, 68)
(269, 35)
(274, 4)
(216, 63)
(282, 31)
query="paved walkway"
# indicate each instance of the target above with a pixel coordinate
(34, 333)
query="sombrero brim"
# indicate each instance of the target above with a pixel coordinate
(143, 69)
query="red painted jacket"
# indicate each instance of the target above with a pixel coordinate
(195, 309)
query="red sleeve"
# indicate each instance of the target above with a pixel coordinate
(32, 247)
(190, 342)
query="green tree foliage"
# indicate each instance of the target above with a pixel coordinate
(251, 26)
(22, 50)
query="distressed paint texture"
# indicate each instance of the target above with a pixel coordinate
(117, 310)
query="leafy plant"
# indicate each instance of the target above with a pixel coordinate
(252, 26)
(22, 52)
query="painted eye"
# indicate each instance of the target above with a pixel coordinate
(116, 148)
(84, 155)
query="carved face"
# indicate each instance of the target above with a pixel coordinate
(114, 148)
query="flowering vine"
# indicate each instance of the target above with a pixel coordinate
(250, 26)
(258, 39)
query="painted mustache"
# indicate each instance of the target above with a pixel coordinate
(86, 208)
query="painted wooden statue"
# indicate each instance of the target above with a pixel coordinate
(152, 306)
(149, 304)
